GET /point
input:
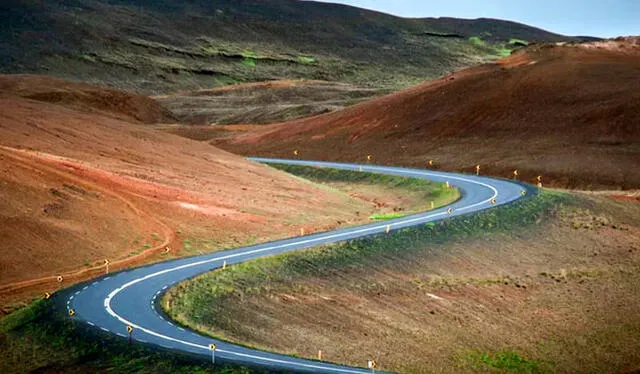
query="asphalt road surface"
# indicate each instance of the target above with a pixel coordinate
(131, 297)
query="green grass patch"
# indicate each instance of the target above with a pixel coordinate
(504, 52)
(514, 41)
(201, 301)
(22, 316)
(250, 55)
(386, 216)
(306, 60)
(475, 40)
(321, 174)
(426, 191)
(250, 62)
(37, 338)
(506, 361)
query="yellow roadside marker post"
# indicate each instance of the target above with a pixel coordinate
(72, 313)
(371, 364)
(212, 348)
(477, 169)
(523, 192)
(539, 179)
(47, 296)
(106, 266)
(320, 355)
(130, 332)
(447, 184)
(60, 278)
(302, 231)
(433, 204)
(449, 211)
(430, 163)
(369, 158)
(515, 174)
(296, 153)
(493, 201)
(224, 265)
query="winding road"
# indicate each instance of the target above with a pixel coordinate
(132, 297)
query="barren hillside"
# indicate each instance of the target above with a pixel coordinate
(78, 184)
(570, 113)
(161, 46)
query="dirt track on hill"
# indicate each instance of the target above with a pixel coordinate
(78, 184)
(79, 176)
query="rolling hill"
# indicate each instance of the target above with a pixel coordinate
(165, 46)
(83, 179)
(568, 112)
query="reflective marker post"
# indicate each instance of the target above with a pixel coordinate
(212, 348)
(371, 364)
(539, 180)
(60, 278)
(130, 331)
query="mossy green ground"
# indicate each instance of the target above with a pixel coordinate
(425, 192)
(37, 338)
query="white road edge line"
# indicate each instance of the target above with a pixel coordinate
(107, 301)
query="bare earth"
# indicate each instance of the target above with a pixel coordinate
(82, 179)
(563, 293)
(570, 113)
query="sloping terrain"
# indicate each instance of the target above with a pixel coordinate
(153, 46)
(85, 98)
(259, 103)
(78, 186)
(547, 285)
(570, 113)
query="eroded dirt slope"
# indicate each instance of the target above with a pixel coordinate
(77, 186)
(85, 97)
(568, 112)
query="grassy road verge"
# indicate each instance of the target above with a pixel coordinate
(200, 302)
(409, 195)
(518, 288)
(38, 339)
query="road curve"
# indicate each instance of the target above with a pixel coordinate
(132, 297)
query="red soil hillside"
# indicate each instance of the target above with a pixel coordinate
(85, 97)
(569, 112)
(77, 187)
